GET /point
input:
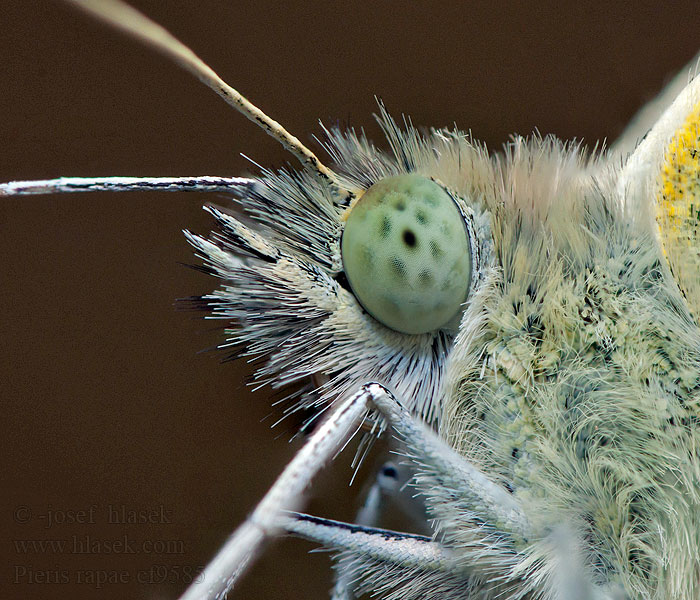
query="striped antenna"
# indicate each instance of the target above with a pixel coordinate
(239, 186)
(121, 16)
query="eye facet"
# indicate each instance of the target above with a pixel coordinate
(406, 254)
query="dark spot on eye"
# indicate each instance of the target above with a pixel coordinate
(425, 278)
(385, 227)
(398, 267)
(435, 249)
(409, 238)
(421, 217)
(367, 257)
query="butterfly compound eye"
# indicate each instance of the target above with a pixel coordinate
(407, 255)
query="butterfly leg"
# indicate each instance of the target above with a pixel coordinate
(412, 567)
(373, 559)
(450, 480)
(269, 517)
(388, 487)
(443, 468)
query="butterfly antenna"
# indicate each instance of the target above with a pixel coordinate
(121, 16)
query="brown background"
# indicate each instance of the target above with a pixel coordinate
(105, 398)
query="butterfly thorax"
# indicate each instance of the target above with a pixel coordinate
(579, 384)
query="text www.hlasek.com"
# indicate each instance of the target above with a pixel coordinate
(86, 544)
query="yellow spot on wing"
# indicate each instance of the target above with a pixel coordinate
(678, 207)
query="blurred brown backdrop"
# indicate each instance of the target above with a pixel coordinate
(105, 398)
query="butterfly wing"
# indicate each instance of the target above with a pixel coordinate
(665, 168)
(649, 114)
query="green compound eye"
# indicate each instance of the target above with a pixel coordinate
(407, 255)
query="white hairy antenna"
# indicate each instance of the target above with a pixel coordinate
(126, 18)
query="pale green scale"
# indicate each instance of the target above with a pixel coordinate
(406, 254)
